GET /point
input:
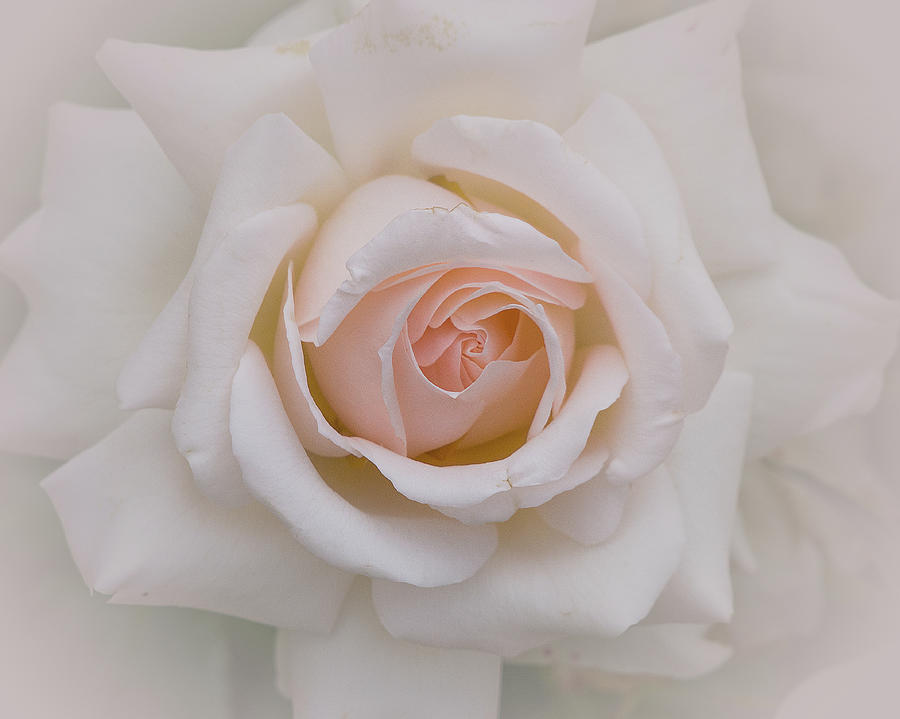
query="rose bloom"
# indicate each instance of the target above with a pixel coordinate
(439, 338)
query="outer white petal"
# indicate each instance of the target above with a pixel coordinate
(96, 265)
(140, 531)
(360, 671)
(532, 159)
(815, 339)
(66, 653)
(199, 102)
(540, 586)
(273, 164)
(225, 298)
(614, 138)
(401, 541)
(688, 91)
(399, 65)
(706, 466)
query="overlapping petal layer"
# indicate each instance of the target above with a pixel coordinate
(140, 531)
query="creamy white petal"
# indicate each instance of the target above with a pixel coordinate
(540, 586)
(815, 339)
(398, 66)
(359, 670)
(273, 164)
(226, 295)
(706, 466)
(399, 540)
(199, 102)
(688, 91)
(534, 160)
(615, 139)
(681, 651)
(67, 653)
(96, 264)
(140, 531)
(642, 427)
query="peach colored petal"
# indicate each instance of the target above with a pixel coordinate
(456, 237)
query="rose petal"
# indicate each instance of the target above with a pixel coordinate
(706, 466)
(534, 160)
(815, 339)
(509, 59)
(95, 264)
(359, 670)
(589, 513)
(688, 91)
(139, 530)
(225, 297)
(644, 424)
(540, 585)
(458, 490)
(272, 165)
(459, 236)
(402, 542)
(612, 136)
(190, 663)
(316, 433)
(361, 216)
(199, 102)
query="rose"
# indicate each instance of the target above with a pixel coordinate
(695, 284)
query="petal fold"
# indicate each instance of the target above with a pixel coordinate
(615, 139)
(541, 586)
(273, 164)
(706, 466)
(399, 65)
(140, 531)
(688, 91)
(398, 540)
(815, 339)
(96, 264)
(198, 102)
(226, 295)
(534, 160)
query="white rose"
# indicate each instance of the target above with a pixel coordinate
(508, 410)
